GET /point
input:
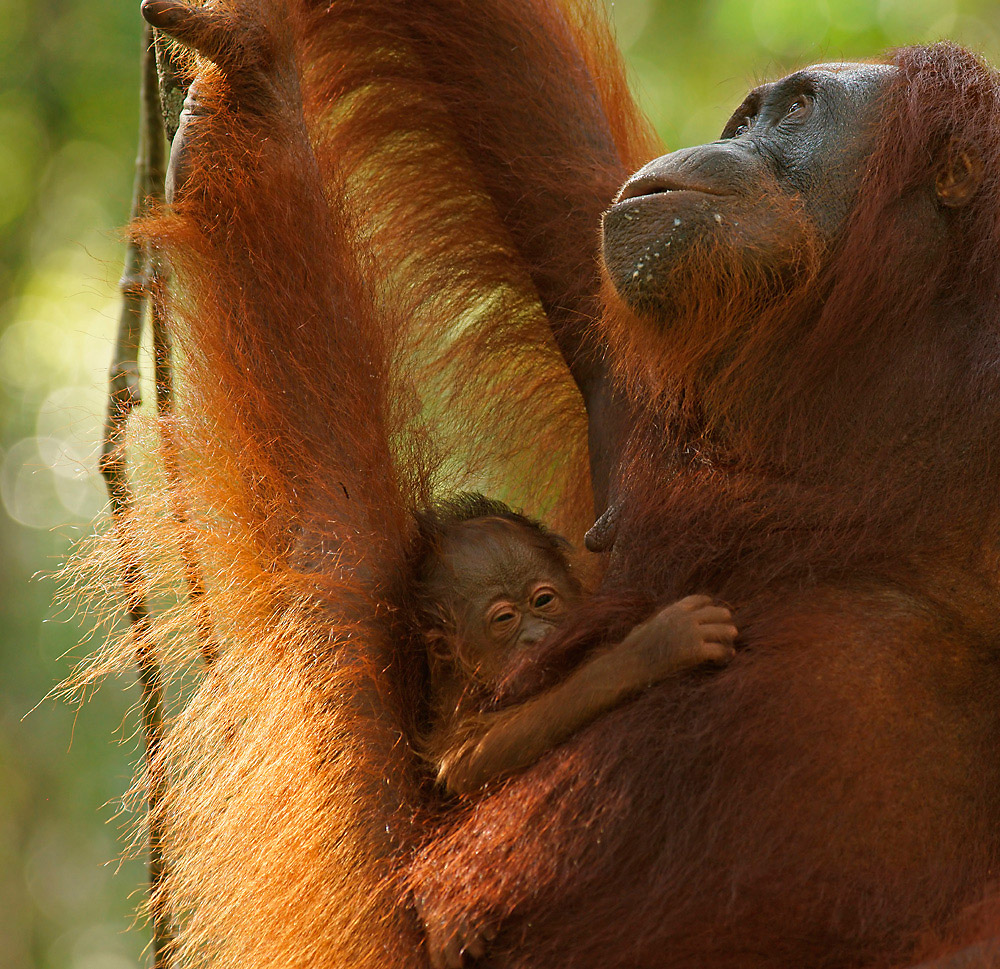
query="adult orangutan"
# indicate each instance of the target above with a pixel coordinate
(790, 383)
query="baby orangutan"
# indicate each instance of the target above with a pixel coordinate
(492, 585)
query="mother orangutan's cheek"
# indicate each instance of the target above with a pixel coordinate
(663, 248)
(643, 237)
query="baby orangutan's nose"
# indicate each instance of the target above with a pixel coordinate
(533, 631)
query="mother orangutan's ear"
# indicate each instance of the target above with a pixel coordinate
(959, 178)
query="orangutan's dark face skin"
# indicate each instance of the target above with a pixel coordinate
(786, 169)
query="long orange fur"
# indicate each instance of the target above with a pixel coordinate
(395, 309)
(361, 322)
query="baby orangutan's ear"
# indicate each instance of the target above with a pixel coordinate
(438, 628)
(959, 178)
(438, 644)
(443, 659)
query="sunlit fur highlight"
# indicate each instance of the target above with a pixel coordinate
(358, 328)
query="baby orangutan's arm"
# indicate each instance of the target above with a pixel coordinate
(683, 635)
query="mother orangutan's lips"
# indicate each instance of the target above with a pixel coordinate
(660, 185)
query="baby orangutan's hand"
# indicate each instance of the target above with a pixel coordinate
(683, 635)
(454, 944)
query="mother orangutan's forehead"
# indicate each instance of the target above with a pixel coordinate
(853, 67)
(852, 76)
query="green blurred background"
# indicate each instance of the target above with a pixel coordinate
(68, 117)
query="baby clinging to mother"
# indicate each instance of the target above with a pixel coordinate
(782, 343)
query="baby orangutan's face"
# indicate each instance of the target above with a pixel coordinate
(506, 589)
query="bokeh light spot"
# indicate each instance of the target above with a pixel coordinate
(630, 18)
(917, 21)
(28, 487)
(791, 26)
(68, 427)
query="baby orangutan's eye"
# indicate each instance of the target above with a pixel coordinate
(544, 597)
(501, 616)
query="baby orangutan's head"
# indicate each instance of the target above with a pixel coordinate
(491, 584)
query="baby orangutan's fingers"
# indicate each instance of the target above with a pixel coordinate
(717, 653)
(694, 602)
(719, 633)
(207, 31)
(713, 614)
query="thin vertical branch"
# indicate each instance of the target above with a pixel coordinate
(171, 465)
(124, 397)
(172, 87)
(153, 101)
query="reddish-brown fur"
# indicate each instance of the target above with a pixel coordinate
(824, 801)
(831, 798)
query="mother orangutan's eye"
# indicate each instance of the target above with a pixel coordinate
(743, 127)
(800, 108)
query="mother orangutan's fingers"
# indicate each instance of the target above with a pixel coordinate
(206, 31)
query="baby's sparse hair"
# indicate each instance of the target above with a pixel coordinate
(439, 519)
(434, 521)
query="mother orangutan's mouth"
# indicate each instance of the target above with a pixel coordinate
(661, 184)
